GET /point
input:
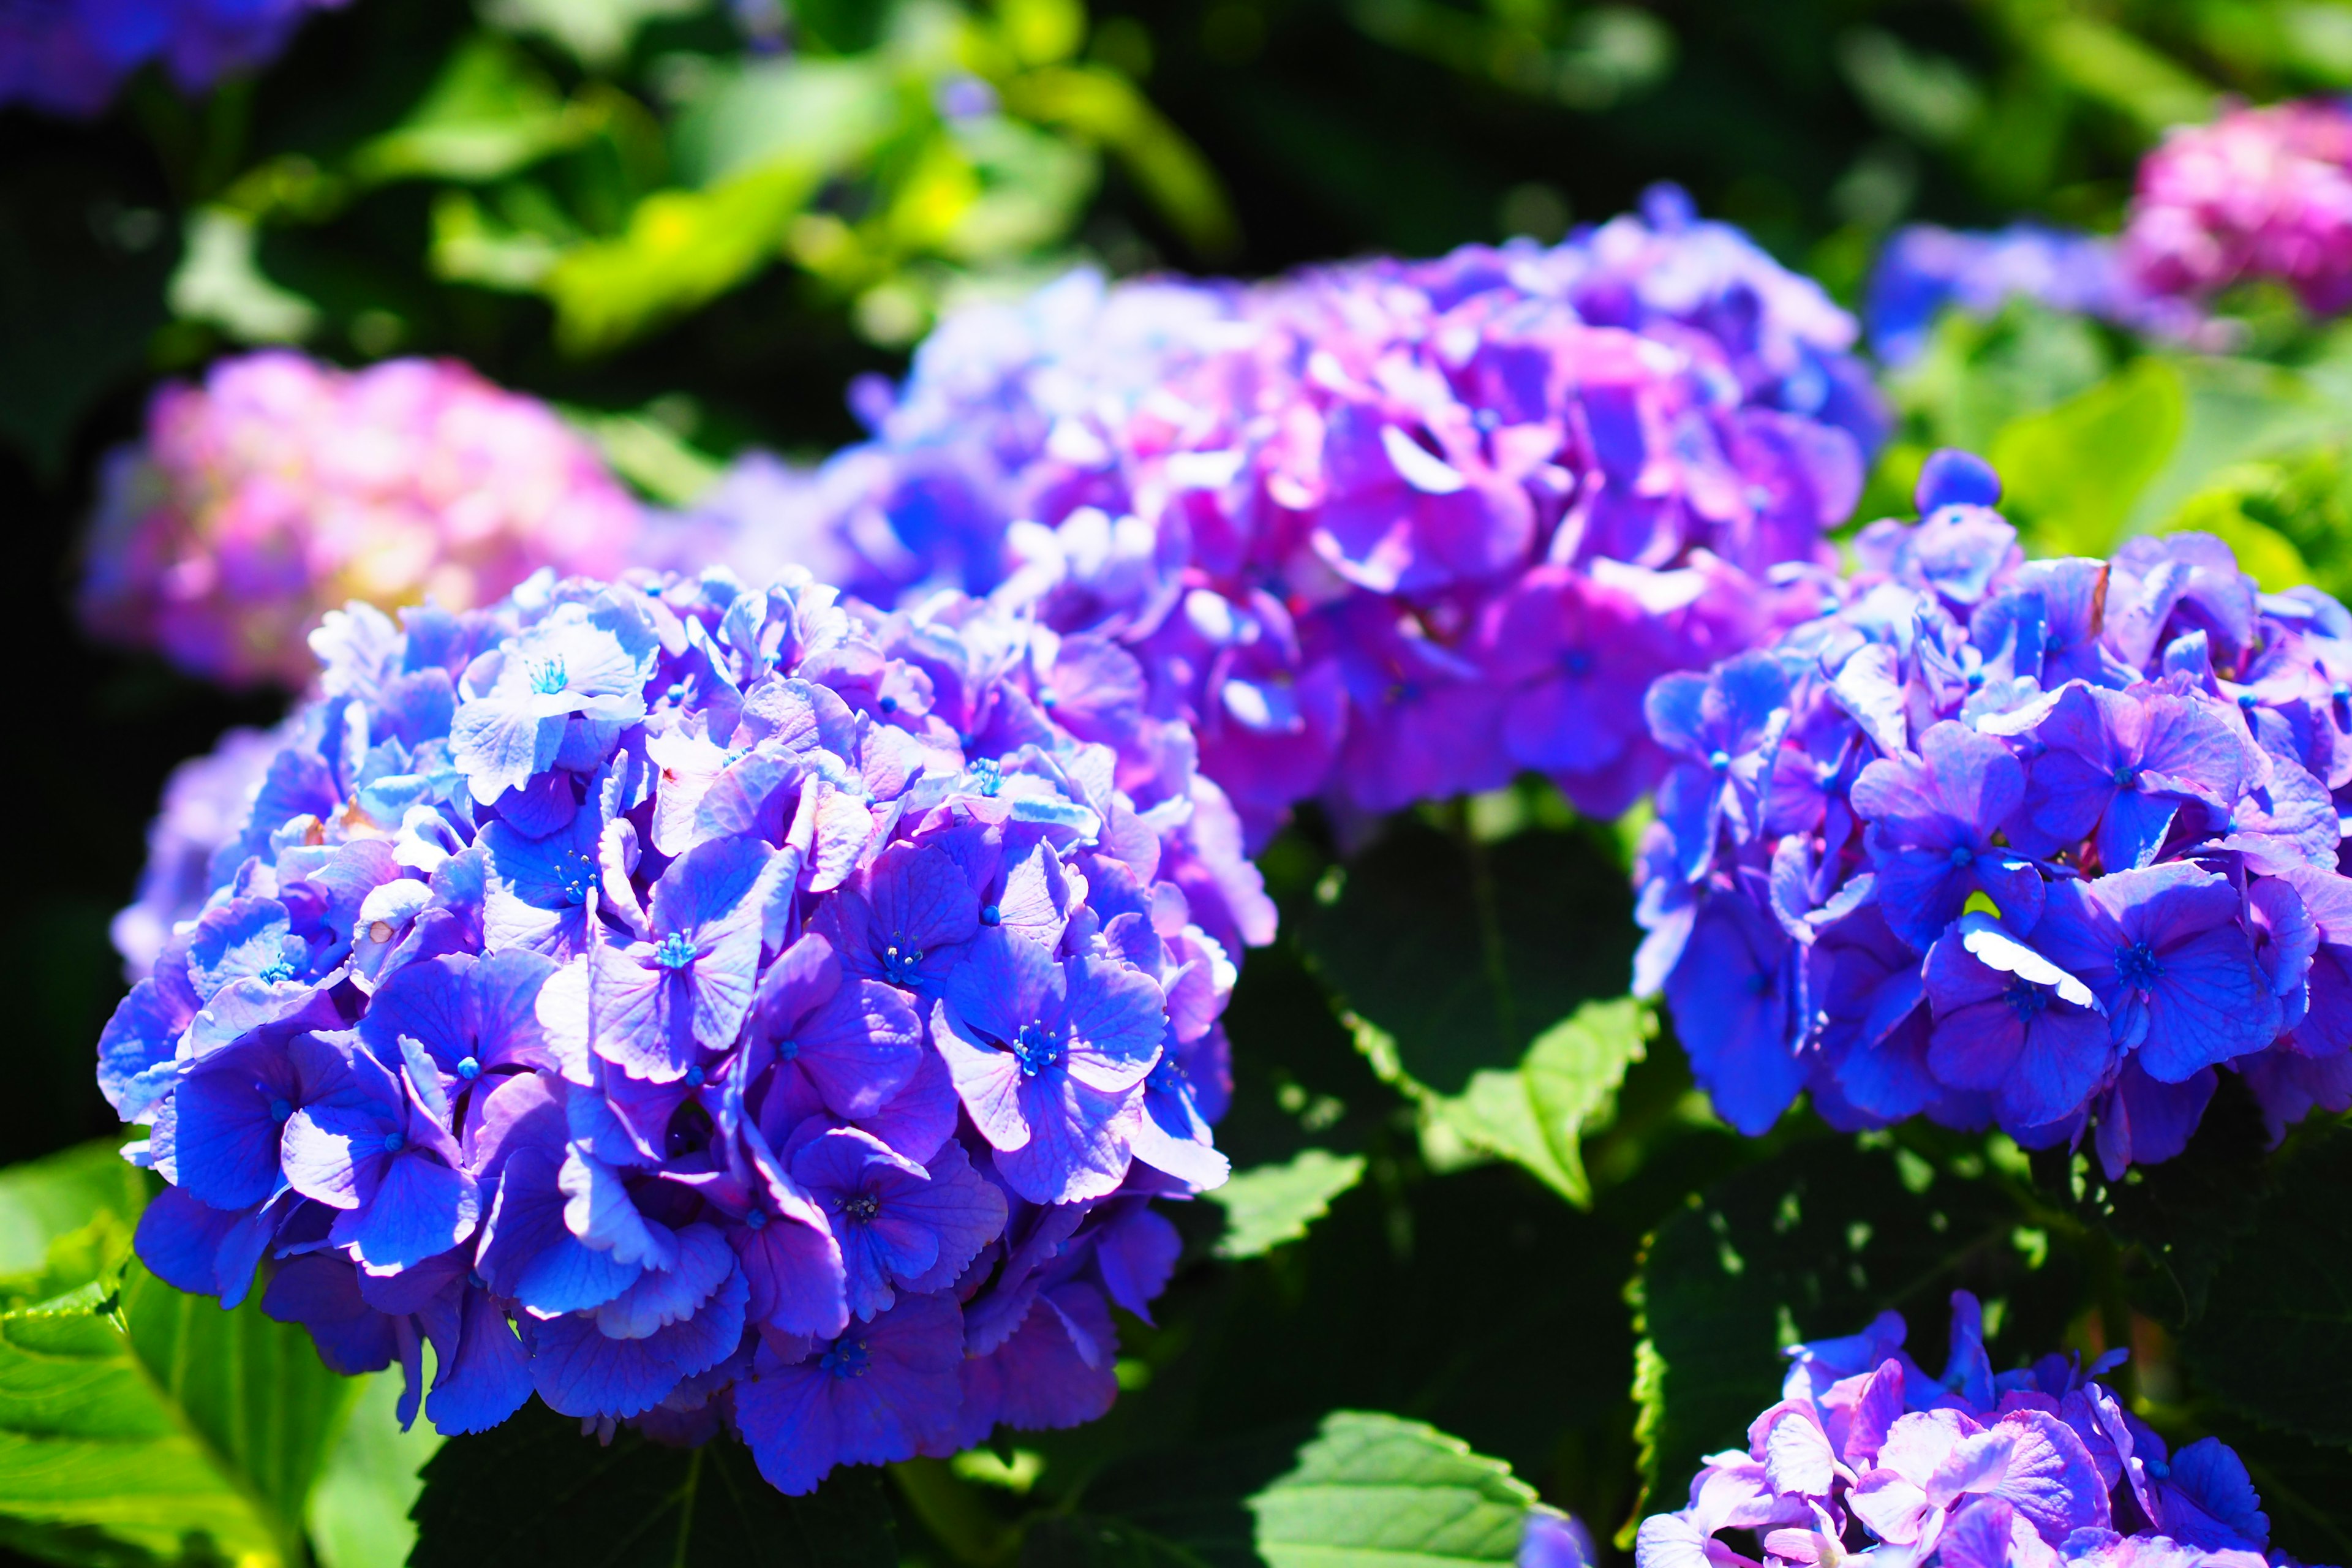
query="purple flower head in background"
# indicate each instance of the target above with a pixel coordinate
(1377, 532)
(647, 994)
(2258, 193)
(2046, 845)
(2036, 1466)
(66, 56)
(1924, 269)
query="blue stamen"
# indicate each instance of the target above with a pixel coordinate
(1034, 1047)
(548, 678)
(674, 952)
(470, 1069)
(393, 1142)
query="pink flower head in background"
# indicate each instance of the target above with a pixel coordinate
(280, 488)
(2260, 193)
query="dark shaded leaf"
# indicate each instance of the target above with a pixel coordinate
(1812, 1243)
(1463, 953)
(2276, 1340)
(536, 1490)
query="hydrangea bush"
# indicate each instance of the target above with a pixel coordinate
(280, 488)
(1974, 1469)
(702, 1006)
(69, 57)
(1383, 532)
(2044, 845)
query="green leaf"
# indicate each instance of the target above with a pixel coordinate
(2071, 474)
(2276, 1340)
(1270, 1204)
(1536, 1115)
(1812, 1243)
(359, 1509)
(1373, 1490)
(489, 113)
(220, 280)
(43, 1201)
(2109, 65)
(2182, 1216)
(1462, 954)
(817, 114)
(681, 249)
(157, 1421)
(536, 1490)
(596, 33)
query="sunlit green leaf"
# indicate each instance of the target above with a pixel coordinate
(597, 33)
(1535, 1114)
(1270, 1204)
(359, 1511)
(220, 280)
(2070, 475)
(1375, 1489)
(490, 113)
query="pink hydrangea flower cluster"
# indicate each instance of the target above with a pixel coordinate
(1386, 531)
(2260, 193)
(281, 488)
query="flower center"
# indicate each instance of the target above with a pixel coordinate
(1577, 662)
(279, 1109)
(788, 1050)
(861, 1207)
(902, 963)
(1719, 761)
(2125, 775)
(757, 1219)
(393, 1142)
(281, 969)
(548, 677)
(1963, 855)
(1036, 1048)
(847, 1358)
(2136, 964)
(990, 914)
(2025, 999)
(674, 952)
(695, 1077)
(470, 1069)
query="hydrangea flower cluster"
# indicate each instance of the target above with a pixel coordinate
(67, 56)
(1387, 531)
(2260, 193)
(1925, 269)
(2046, 845)
(2030, 1469)
(282, 487)
(702, 1008)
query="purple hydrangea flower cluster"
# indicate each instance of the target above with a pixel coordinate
(2260, 193)
(1386, 531)
(702, 1006)
(67, 56)
(1925, 269)
(281, 486)
(2031, 1469)
(2043, 845)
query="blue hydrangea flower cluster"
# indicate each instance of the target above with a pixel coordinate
(2047, 845)
(67, 56)
(1375, 533)
(2029, 1468)
(1925, 269)
(701, 1007)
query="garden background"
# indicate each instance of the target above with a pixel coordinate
(540, 188)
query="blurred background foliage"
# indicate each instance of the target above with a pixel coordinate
(690, 223)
